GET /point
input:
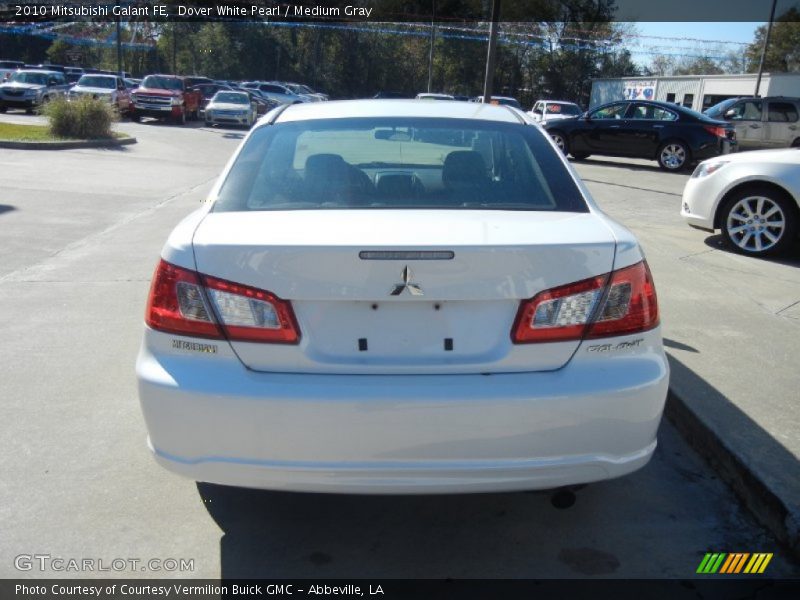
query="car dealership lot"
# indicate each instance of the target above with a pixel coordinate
(81, 231)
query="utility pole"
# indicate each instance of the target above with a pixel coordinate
(119, 49)
(174, 48)
(433, 41)
(764, 49)
(488, 80)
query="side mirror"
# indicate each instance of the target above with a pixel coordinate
(730, 114)
(587, 116)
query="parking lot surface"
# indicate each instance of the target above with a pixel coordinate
(80, 235)
(731, 324)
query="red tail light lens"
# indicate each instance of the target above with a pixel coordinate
(715, 130)
(252, 315)
(618, 303)
(177, 303)
(184, 302)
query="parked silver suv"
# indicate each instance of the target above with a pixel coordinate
(771, 122)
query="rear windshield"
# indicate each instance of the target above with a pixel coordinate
(98, 81)
(398, 163)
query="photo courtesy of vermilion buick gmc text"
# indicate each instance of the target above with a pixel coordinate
(395, 296)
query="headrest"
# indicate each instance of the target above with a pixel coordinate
(464, 167)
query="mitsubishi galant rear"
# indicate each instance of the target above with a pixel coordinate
(401, 297)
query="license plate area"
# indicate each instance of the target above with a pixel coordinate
(410, 331)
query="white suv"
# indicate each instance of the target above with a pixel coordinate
(761, 123)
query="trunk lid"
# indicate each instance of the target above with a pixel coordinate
(361, 310)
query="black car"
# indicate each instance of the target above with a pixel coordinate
(673, 135)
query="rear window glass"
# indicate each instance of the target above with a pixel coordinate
(98, 81)
(398, 163)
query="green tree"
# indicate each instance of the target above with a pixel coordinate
(700, 65)
(783, 52)
(58, 52)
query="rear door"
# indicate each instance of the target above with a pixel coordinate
(782, 125)
(644, 127)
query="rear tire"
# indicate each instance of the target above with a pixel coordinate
(580, 156)
(3, 109)
(135, 117)
(561, 141)
(673, 156)
(759, 221)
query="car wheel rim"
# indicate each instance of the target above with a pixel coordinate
(559, 141)
(756, 223)
(673, 156)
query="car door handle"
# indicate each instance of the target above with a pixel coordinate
(755, 126)
(792, 127)
(613, 126)
(658, 127)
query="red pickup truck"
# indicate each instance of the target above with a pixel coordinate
(166, 97)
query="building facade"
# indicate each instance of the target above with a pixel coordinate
(698, 92)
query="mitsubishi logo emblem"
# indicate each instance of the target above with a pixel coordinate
(413, 288)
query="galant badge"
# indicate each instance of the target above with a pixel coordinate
(413, 288)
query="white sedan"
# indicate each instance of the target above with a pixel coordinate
(228, 107)
(752, 197)
(390, 296)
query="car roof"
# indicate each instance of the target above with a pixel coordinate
(343, 109)
(41, 71)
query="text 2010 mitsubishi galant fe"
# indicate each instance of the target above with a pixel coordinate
(401, 297)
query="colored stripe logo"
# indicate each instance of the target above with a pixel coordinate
(734, 562)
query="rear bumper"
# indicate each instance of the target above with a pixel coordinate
(211, 419)
(717, 148)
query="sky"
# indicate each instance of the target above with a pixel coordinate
(728, 31)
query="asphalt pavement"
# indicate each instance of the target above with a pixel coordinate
(731, 326)
(80, 233)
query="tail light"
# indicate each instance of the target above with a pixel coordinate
(187, 303)
(716, 130)
(618, 303)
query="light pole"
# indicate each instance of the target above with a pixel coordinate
(430, 51)
(490, 55)
(764, 49)
(119, 49)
